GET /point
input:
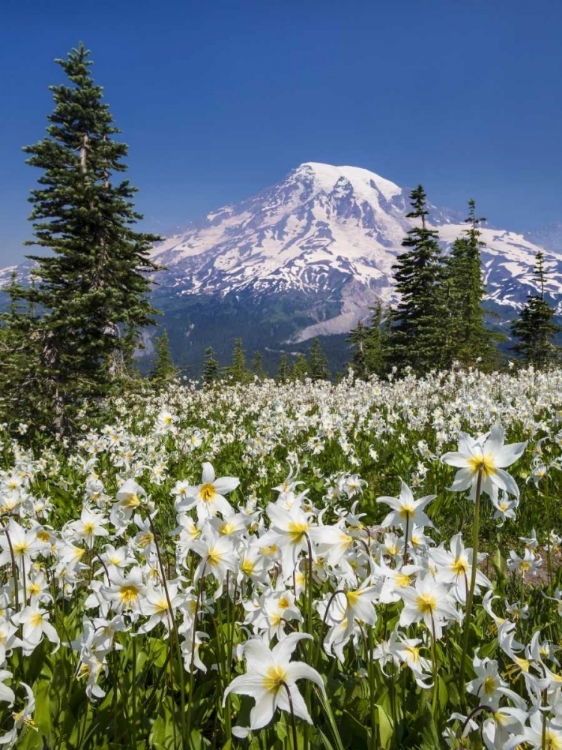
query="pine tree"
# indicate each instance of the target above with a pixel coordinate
(318, 362)
(416, 326)
(283, 372)
(368, 342)
(237, 370)
(93, 287)
(210, 367)
(164, 367)
(469, 339)
(257, 365)
(359, 337)
(300, 369)
(535, 327)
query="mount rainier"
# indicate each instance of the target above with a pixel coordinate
(307, 257)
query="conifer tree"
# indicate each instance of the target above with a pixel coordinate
(535, 328)
(416, 332)
(469, 339)
(300, 369)
(164, 367)
(210, 367)
(368, 342)
(283, 372)
(359, 337)
(237, 370)
(93, 286)
(318, 362)
(257, 365)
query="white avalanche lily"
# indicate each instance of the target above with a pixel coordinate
(488, 456)
(208, 497)
(271, 678)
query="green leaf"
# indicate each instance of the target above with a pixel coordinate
(386, 730)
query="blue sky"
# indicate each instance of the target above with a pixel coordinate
(221, 98)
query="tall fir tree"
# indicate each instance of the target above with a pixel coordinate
(93, 287)
(368, 344)
(257, 365)
(469, 341)
(416, 326)
(210, 367)
(300, 369)
(535, 328)
(283, 372)
(318, 362)
(237, 371)
(164, 368)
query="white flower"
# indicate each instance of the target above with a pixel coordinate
(35, 624)
(208, 497)
(271, 678)
(406, 511)
(485, 457)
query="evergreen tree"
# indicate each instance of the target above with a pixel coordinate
(237, 370)
(257, 365)
(535, 327)
(93, 287)
(300, 369)
(359, 337)
(210, 367)
(164, 367)
(368, 342)
(469, 339)
(283, 372)
(318, 362)
(416, 326)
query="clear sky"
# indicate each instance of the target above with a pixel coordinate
(221, 98)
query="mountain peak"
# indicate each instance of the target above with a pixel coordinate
(363, 181)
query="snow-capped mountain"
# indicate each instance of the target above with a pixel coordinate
(329, 234)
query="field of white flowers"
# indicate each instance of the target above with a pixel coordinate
(362, 565)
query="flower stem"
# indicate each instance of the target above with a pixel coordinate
(469, 598)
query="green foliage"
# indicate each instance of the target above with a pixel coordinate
(417, 334)
(238, 372)
(210, 367)
(91, 293)
(468, 339)
(535, 327)
(318, 362)
(164, 367)
(369, 344)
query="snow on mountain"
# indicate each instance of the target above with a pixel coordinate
(333, 231)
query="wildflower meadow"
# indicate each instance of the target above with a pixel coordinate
(370, 564)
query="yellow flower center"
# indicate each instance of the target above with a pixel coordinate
(36, 620)
(283, 603)
(413, 652)
(34, 589)
(207, 493)
(460, 566)
(89, 527)
(485, 464)
(274, 679)
(43, 536)
(426, 603)
(402, 580)
(20, 548)
(353, 598)
(145, 539)
(524, 566)
(297, 531)
(214, 556)
(489, 685)
(407, 512)
(129, 594)
(227, 528)
(247, 567)
(132, 501)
